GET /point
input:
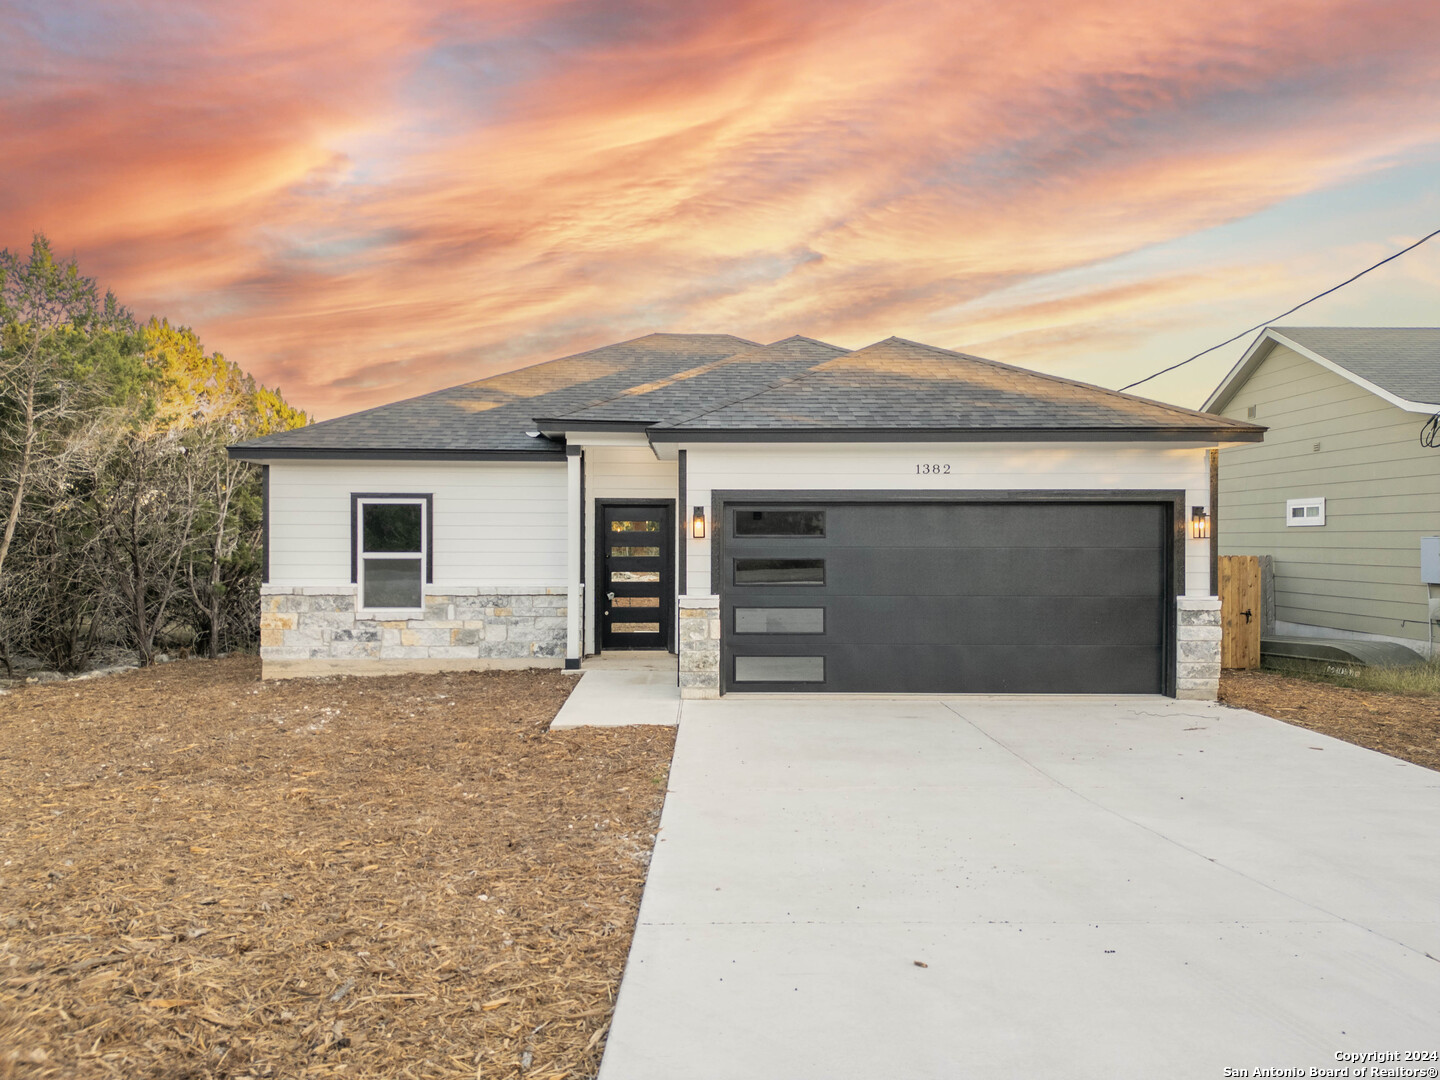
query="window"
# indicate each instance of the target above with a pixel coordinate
(779, 522)
(790, 669)
(779, 571)
(392, 534)
(779, 620)
(1304, 511)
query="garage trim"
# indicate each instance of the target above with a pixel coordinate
(1174, 498)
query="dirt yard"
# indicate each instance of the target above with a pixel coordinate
(1401, 725)
(203, 875)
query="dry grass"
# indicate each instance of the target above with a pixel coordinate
(1406, 726)
(1422, 679)
(202, 875)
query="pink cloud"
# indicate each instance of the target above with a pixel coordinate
(365, 201)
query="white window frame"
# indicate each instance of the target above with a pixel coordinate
(361, 554)
(1308, 520)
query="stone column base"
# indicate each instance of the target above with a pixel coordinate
(699, 645)
(1197, 648)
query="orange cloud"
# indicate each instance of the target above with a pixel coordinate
(365, 201)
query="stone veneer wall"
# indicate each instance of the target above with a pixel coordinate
(1197, 648)
(699, 645)
(316, 630)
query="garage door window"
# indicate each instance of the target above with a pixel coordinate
(779, 620)
(779, 522)
(779, 571)
(780, 669)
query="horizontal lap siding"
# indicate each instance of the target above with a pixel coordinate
(1360, 571)
(995, 466)
(495, 523)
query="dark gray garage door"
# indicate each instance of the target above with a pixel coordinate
(946, 597)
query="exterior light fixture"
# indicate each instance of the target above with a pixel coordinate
(1199, 523)
(697, 523)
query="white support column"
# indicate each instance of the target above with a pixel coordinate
(575, 602)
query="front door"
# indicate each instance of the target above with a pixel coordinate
(637, 575)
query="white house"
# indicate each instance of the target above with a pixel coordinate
(792, 517)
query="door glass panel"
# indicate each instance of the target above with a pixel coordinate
(779, 669)
(635, 575)
(779, 620)
(635, 601)
(779, 522)
(634, 526)
(393, 583)
(635, 552)
(634, 627)
(779, 571)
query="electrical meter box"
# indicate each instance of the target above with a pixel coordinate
(1430, 560)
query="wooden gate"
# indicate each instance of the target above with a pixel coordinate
(1240, 606)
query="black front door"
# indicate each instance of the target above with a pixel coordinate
(637, 575)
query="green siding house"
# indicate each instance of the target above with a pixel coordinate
(1347, 481)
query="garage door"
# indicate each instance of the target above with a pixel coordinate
(945, 597)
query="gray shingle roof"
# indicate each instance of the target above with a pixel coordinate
(699, 385)
(493, 414)
(1404, 360)
(902, 385)
(688, 393)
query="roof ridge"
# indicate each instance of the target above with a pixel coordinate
(842, 351)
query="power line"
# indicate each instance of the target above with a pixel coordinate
(1297, 307)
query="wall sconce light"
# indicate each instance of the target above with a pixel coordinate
(697, 523)
(1199, 523)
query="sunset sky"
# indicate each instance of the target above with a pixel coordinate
(365, 200)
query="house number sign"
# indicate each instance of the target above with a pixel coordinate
(932, 470)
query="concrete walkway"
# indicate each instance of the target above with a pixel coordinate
(620, 688)
(1023, 887)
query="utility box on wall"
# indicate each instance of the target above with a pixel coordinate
(1430, 560)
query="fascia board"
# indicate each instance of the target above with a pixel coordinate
(1254, 356)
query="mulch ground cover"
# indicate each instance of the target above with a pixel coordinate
(203, 875)
(1402, 725)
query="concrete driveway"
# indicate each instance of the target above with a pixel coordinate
(1028, 887)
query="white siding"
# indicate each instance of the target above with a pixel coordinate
(496, 523)
(619, 472)
(973, 466)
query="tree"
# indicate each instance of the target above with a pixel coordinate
(66, 354)
(122, 518)
(206, 403)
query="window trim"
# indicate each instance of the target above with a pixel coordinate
(427, 546)
(1304, 522)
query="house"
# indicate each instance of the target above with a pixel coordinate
(1347, 482)
(785, 517)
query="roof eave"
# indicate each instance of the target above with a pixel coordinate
(262, 454)
(1219, 433)
(1262, 347)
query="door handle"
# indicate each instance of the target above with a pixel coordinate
(609, 596)
(1247, 613)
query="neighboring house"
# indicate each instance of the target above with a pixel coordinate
(1343, 488)
(791, 517)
